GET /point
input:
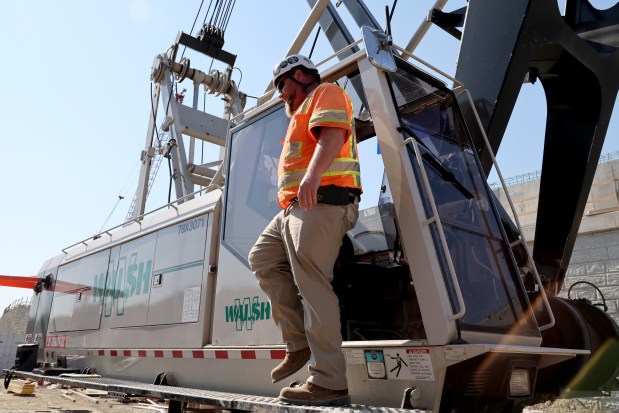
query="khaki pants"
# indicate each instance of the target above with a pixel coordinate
(297, 251)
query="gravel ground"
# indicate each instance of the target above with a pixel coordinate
(608, 404)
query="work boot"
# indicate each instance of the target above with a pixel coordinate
(313, 395)
(292, 363)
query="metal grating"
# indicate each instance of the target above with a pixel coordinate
(231, 401)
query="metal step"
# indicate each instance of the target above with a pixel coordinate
(221, 400)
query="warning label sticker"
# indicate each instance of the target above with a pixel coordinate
(354, 356)
(191, 305)
(409, 364)
(375, 363)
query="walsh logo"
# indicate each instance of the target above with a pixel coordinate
(130, 277)
(248, 311)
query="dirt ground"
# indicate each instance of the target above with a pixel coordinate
(54, 398)
(575, 405)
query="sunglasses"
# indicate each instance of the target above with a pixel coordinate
(281, 84)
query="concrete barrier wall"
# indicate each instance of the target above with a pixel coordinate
(12, 331)
(8, 348)
(595, 258)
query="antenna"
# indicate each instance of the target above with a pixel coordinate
(389, 16)
(392, 10)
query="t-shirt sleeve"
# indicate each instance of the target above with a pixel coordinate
(331, 107)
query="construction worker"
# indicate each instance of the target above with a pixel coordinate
(319, 189)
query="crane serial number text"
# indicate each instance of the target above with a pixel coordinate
(191, 225)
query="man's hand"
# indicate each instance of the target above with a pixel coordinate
(330, 141)
(308, 191)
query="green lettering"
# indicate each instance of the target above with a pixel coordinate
(130, 287)
(265, 312)
(109, 290)
(255, 309)
(144, 277)
(119, 292)
(98, 289)
(250, 310)
(233, 312)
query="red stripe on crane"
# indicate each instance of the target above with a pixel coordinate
(18, 281)
(232, 354)
(278, 354)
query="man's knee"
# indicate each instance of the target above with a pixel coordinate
(260, 261)
(254, 259)
(265, 266)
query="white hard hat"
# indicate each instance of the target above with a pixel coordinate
(289, 63)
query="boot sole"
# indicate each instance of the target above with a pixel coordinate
(336, 401)
(293, 371)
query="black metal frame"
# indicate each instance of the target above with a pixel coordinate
(578, 70)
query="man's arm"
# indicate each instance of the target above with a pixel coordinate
(330, 141)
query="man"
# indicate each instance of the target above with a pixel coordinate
(319, 188)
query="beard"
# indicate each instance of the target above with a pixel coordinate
(289, 111)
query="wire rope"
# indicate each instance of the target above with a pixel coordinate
(193, 25)
(314, 43)
(233, 2)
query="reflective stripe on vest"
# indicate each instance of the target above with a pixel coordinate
(299, 145)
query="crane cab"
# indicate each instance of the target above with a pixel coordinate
(433, 308)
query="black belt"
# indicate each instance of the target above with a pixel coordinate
(338, 195)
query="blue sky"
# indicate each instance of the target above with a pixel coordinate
(76, 87)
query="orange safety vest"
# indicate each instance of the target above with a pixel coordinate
(328, 105)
